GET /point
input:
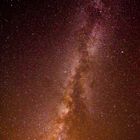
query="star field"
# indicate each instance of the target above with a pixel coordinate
(69, 70)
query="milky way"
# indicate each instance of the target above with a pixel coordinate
(74, 119)
(69, 70)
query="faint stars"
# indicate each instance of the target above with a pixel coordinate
(122, 52)
(114, 106)
(28, 94)
(65, 71)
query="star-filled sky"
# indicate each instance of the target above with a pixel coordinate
(69, 70)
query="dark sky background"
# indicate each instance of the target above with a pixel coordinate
(37, 48)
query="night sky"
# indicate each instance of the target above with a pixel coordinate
(69, 70)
